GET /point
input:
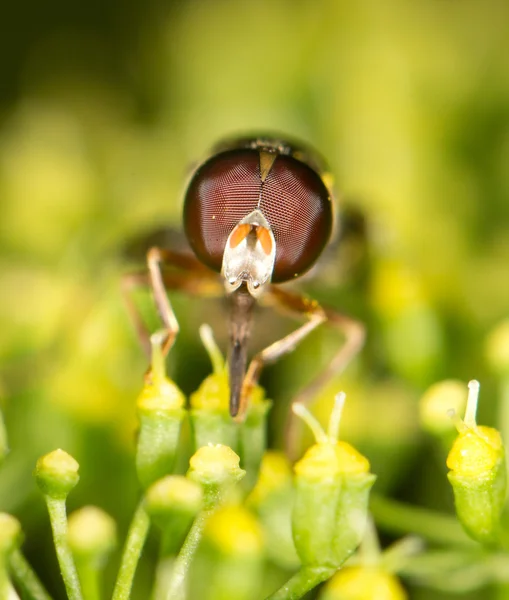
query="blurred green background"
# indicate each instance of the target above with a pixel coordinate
(104, 107)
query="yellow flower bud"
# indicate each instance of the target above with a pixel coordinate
(10, 534)
(364, 583)
(436, 403)
(56, 474)
(478, 475)
(92, 534)
(332, 483)
(234, 531)
(215, 465)
(160, 410)
(497, 348)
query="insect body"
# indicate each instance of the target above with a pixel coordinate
(259, 212)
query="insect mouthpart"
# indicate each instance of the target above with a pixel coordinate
(249, 254)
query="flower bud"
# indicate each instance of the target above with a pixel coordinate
(173, 502)
(10, 538)
(10, 534)
(215, 468)
(411, 328)
(437, 401)
(235, 532)
(275, 474)
(210, 416)
(497, 348)
(56, 474)
(363, 583)
(92, 535)
(332, 484)
(233, 543)
(272, 499)
(253, 435)
(160, 410)
(478, 475)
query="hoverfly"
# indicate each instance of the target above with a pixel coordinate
(258, 212)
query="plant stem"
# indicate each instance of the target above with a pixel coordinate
(503, 412)
(58, 519)
(25, 578)
(186, 555)
(163, 575)
(397, 517)
(304, 580)
(4, 580)
(12, 594)
(89, 577)
(4, 447)
(132, 551)
(501, 591)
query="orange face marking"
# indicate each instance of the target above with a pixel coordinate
(263, 236)
(239, 234)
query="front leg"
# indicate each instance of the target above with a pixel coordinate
(186, 274)
(354, 335)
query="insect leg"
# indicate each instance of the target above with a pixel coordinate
(352, 330)
(187, 275)
(171, 327)
(295, 304)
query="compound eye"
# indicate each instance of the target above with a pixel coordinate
(299, 208)
(221, 193)
(289, 193)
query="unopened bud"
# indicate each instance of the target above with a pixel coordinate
(332, 491)
(210, 415)
(233, 543)
(10, 534)
(92, 534)
(215, 467)
(172, 503)
(436, 403)
(160, 410)
(497, 348)
(478, 475)
(363, 583)
(272, 499)
(56, 474)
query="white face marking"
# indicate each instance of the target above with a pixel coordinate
(247, 260)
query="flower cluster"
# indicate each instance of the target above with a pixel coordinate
(237, 505)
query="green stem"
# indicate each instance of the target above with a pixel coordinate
(501, 591)
(25, 578)
(12, 594)
(503, 413)
(183, 561)
(397, 517)
(58, 519)
(4, 580)
(136, 537)
(89, 577)
(4, 446)
(163, 575)
(253, 443)
(303, 581)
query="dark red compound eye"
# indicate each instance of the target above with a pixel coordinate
(291, 195)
